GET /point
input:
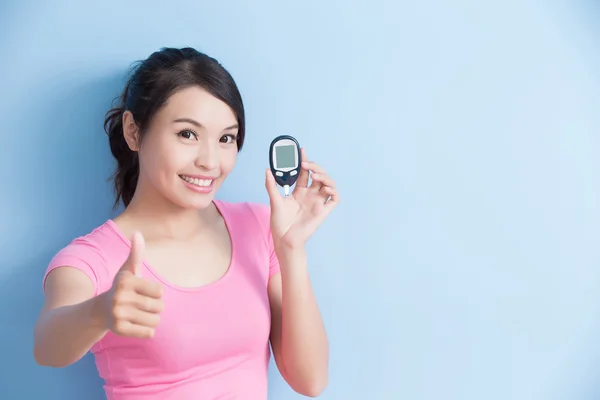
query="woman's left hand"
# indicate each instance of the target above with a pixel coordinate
(296, 217)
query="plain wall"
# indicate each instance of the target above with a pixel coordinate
(463, 262)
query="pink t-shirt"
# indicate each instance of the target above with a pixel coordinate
(213, 341)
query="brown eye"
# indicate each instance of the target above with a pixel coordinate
(187, 134)
(228, 139)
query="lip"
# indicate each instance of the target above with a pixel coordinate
(199, 189)
(200, 176)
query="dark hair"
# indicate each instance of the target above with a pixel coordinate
(151, 83)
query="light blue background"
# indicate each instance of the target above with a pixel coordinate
(464, 260)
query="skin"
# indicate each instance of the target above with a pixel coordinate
(172, 225)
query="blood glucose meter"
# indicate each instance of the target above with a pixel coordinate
(285, 161)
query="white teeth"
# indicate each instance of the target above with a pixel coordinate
(196, 181)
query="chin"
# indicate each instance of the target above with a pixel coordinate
(199, 204)
(194, 202)
(197, 198)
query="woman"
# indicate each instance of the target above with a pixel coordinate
(180, 295)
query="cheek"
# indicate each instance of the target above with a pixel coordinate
(228, 159)
(162, 161)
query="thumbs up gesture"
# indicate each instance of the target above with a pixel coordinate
(133, 305)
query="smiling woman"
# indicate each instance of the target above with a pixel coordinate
(176, 146)
(201, 100)
(180, 295)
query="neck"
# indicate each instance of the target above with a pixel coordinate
(158, 218)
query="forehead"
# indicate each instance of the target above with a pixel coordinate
(197, 104)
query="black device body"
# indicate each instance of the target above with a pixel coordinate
(285, 160)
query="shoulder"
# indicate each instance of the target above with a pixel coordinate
(253, 221)
(245, 212)
(88, 247)
(251, 218)
(89, 254)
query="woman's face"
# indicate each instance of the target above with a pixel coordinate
(189, 148)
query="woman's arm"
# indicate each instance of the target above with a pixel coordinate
(298, 337)
(72, 320)
(69, 323)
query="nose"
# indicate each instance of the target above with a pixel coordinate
(207, 157)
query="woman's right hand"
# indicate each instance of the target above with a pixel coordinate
(133, 305)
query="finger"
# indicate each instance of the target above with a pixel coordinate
(325, 193)
(147, 303)
(147, 288)
(134, 261)
(303, 176)
(316, 184)
(323, 178)
(126, 328)
(334, 198)
(143, 318)
(313, 167)
(271, 185)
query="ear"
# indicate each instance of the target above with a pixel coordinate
(131, 131)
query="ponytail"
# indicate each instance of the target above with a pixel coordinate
(126, 174)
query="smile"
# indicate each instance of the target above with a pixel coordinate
(196, 181)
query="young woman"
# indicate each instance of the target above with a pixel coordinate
(180, 295)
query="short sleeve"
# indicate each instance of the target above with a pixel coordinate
(263, 214)
(83, 256)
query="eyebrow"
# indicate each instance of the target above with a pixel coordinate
(199, 125)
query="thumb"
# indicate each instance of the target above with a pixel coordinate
(136, 254)
(271, 186)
